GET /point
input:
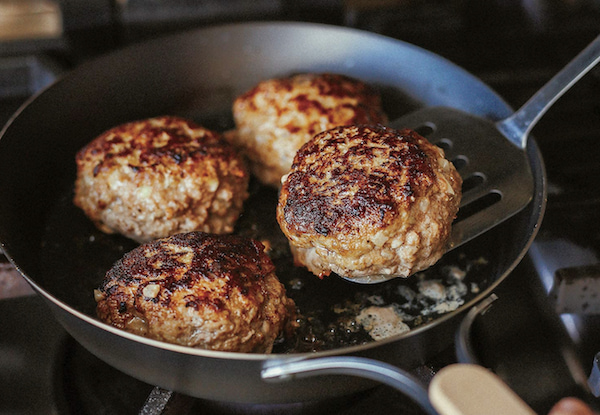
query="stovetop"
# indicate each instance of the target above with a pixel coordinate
(512, 46)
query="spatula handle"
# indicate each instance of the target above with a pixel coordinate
(518, 126)
(464, 389)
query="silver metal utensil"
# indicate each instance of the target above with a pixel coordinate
(490, 156)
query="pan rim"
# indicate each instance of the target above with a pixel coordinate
(503, 108)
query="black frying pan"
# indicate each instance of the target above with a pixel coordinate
(197, 75)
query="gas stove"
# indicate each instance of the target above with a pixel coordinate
(542, 351)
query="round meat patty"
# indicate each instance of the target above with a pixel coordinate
(275, 118)
(368, 202)
(153, 178)
(216, 292)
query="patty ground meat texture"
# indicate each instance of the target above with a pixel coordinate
(216, 292)
(275, 118)
(155, 177)
(368, 202)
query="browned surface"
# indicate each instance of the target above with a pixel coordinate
(205, 291)
(277, 116)
(340, 185)
(367, 201)
(152, 178)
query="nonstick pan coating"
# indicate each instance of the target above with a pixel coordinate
(197, 75)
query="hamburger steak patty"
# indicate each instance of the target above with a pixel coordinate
(276, 117)
(368, 202)
(156, 177)
(216, 292)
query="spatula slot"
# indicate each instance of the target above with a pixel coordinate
(459, 162)
(473, 181)
(478, 205)
(445, 144)
(425, 129)
(497, 176)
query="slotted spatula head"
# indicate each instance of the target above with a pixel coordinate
(497, 177)
(491, 157)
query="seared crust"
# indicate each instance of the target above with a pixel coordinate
(199, 290)
(276, 117)
(368, 202)
(152, 178)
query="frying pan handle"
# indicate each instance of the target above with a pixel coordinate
(353, 366)
(462, 342)
(385, 373)
(458, 389)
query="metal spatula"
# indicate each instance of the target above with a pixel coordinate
(491, 157)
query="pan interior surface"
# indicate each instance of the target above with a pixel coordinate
(197, 75)
(76, 256)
